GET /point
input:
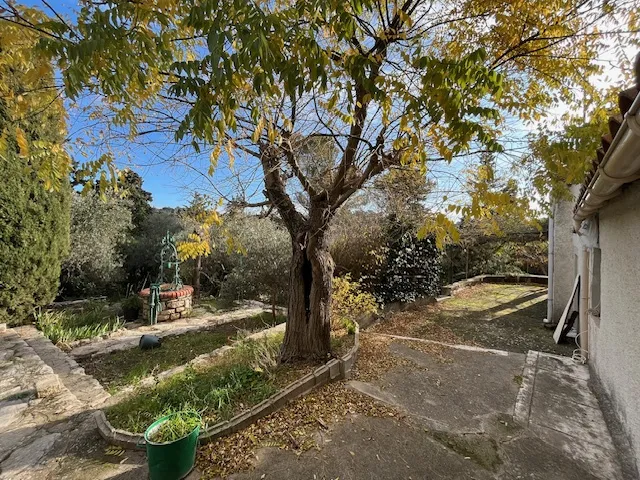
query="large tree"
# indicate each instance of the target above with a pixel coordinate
(407, 82)
(34, 220)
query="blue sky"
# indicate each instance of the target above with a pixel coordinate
(170, 182)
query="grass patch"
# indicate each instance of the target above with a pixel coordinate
(63, 326)
(502, 316)
(120, 368)
(215, 305)
(232, 383)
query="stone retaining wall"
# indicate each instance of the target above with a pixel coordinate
(175, 304)
(336, 369)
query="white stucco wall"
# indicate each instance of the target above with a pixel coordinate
(614, 340)
(564, 266)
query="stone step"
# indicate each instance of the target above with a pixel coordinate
(22, 369)
(86, 388)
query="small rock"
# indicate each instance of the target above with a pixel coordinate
(48, 385)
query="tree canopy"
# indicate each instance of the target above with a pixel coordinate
(389, 83)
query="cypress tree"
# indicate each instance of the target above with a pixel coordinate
(34, 210)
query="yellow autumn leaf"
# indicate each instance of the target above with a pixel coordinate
(23, 145)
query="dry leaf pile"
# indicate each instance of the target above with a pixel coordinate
(292, 428)
(375, 358)
(417, 323)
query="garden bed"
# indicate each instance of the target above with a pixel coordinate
(230, 392)
(122, 368)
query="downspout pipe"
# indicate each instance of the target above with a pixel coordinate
(551, 257)
(583, 308)
(620, 165)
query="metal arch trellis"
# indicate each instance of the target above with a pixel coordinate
(169, 260)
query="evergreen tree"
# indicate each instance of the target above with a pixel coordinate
(34, 218)
(139, 198)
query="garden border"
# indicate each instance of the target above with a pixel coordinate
(336, 369)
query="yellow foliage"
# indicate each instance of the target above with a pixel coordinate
(349, 301)
(28, 100)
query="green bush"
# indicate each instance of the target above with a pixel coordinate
(34, 239)
(410, 268)
(263, 272)
(348, 302)
(99, 228)
(142, 253)
(34, 217)
(356, 237)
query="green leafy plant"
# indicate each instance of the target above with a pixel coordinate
(131, 307)
(409, 267)
(99, 229)
(65, 326)
(348, 302)
(177, 426)
(350, 326)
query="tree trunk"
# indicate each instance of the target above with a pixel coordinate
(308, 332)
(196, 277)
(274, 294)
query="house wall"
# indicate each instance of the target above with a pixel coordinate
(614, 337)
(564, 263)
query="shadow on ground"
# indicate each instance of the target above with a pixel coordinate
(499, 316)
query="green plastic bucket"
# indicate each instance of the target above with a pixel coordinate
(170, 460)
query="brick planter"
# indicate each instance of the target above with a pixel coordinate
(176, 304)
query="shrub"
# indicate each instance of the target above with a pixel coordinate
(142, 253)
(99, 228)
(355, 239)
(263, 272)
(410, 268)
(34, 238)
(348, 302)
(131, 307)
(34, 219)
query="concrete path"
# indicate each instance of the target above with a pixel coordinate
(469, 414)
